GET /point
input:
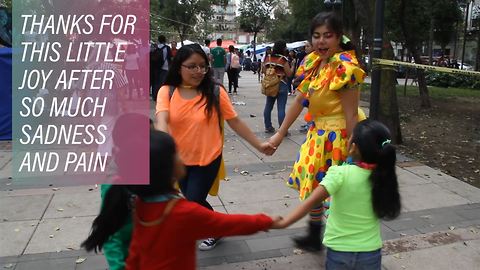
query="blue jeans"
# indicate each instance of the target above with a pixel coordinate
(339, 260)
(281, 99)
(198, 181)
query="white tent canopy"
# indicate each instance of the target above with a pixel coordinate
(261, 48)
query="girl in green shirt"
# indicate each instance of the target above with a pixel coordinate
(362, 193)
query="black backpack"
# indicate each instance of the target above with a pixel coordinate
(156, 56)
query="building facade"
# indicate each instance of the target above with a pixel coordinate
(223, 21)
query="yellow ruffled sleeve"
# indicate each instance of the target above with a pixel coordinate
(346, 73)
(308, 69)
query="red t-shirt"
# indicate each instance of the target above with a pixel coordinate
(171, 245)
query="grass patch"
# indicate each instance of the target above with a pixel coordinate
(435, 92)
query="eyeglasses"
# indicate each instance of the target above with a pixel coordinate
(197, 68)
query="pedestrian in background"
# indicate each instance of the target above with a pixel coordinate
(219, 61)
(161, 58)
(131, 67)
(278, 60)
(206, 49)
(233, 69)
(173, 47)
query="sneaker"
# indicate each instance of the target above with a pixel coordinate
(304, 129)
(269, 130)
(208, 244)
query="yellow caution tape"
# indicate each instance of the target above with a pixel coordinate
(385, 62)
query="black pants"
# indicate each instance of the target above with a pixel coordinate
(159, 80)
(199, 180)
(232, 74)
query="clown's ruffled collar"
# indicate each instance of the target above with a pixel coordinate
(313, 59)
(340, 59)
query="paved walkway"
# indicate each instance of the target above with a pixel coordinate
(42, 226)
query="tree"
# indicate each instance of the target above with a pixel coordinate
(388, 112)
(303, 11)
(293, 22)
(7, 4)
(282, 27)
(184, 15)
(413, 18)
(255, 16)
(445, 14)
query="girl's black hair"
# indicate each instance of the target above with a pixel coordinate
(372, 139)
(116, 204)
(279, 47)
(334, 24)
(207, 85)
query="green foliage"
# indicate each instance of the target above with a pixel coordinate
(183, 16)
(445, 14)
(282, 27)
(294, 23)
(303, 12)
(416, 18)
(255, 15)
(441, 79)
(413, 16)
(7, 4)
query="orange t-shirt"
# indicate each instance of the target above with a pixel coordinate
(198, 138)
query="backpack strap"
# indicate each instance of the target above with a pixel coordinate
(216, 92)
(170, 91)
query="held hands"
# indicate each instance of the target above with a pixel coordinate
(276, 139)
(278, 223)
(267, 148)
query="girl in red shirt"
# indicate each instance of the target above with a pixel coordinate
(166, 226)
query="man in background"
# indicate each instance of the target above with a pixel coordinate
(219, 62)
(160, 59)
(206, 49)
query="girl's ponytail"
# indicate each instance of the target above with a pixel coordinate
(373, 141)
(113, 215)
(385, 195)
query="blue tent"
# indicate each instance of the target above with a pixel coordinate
(5, 94)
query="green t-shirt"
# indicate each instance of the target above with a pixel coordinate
(352, 225)
(218, 54)
(116, 247)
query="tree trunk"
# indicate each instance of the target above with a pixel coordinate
(422, 83)
(477, 58)
(364, 10)
(430, 43)
(388, 111)
(412, 47)
(254, 46)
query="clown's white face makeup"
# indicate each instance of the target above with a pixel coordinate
(325, 42)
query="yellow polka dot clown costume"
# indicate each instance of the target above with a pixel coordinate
(326, 141)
